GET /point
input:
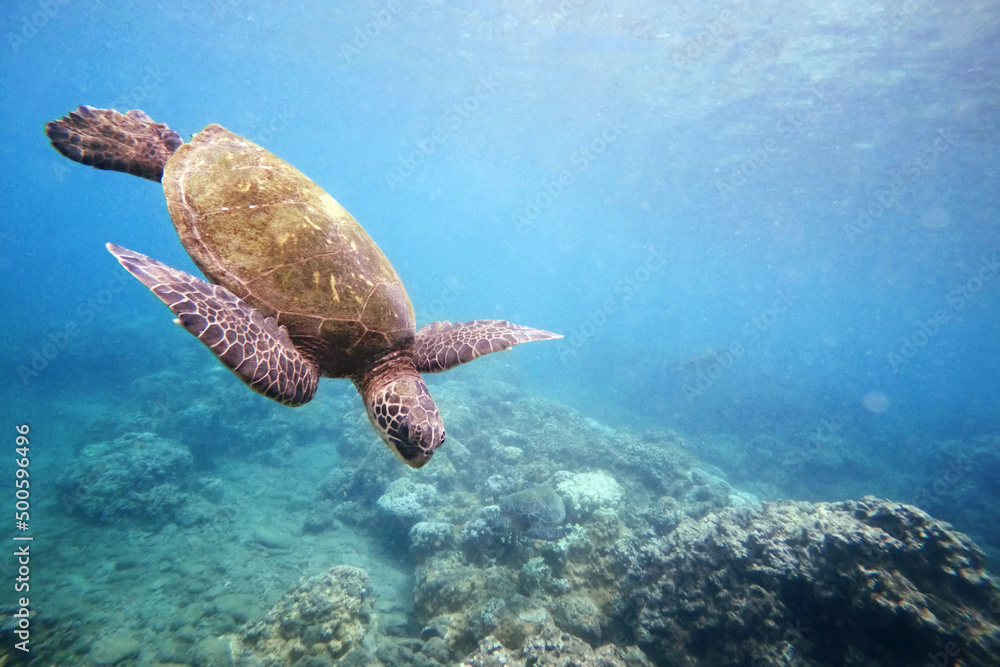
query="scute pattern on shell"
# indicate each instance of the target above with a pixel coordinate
(262, 229)
(537, 505)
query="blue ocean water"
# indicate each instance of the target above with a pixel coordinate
(758, 225)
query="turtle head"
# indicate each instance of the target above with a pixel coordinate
(404, 415)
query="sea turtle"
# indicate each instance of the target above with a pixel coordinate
(296, 289)
(535, 505)
(537, 512)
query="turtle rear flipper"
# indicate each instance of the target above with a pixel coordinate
(107, 139)
(254, 347)
(443, 345)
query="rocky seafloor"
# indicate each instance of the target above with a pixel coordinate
(535, 536)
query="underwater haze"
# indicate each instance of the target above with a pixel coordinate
(768, 232)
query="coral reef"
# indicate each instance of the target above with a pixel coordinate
(536, 536)
(428, 537)
(857, 582)
(212, 414)
(138, 476)
(587, 492)
(579, 616)
(657, 549)
(961, 484)
(489, 538)
(406, 501)
(317, 623)
(463, 602)
(547, 646)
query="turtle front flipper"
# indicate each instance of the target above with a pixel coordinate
(443, 345)
(254, 347)
(106, 139)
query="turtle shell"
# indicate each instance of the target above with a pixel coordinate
(260, 228)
